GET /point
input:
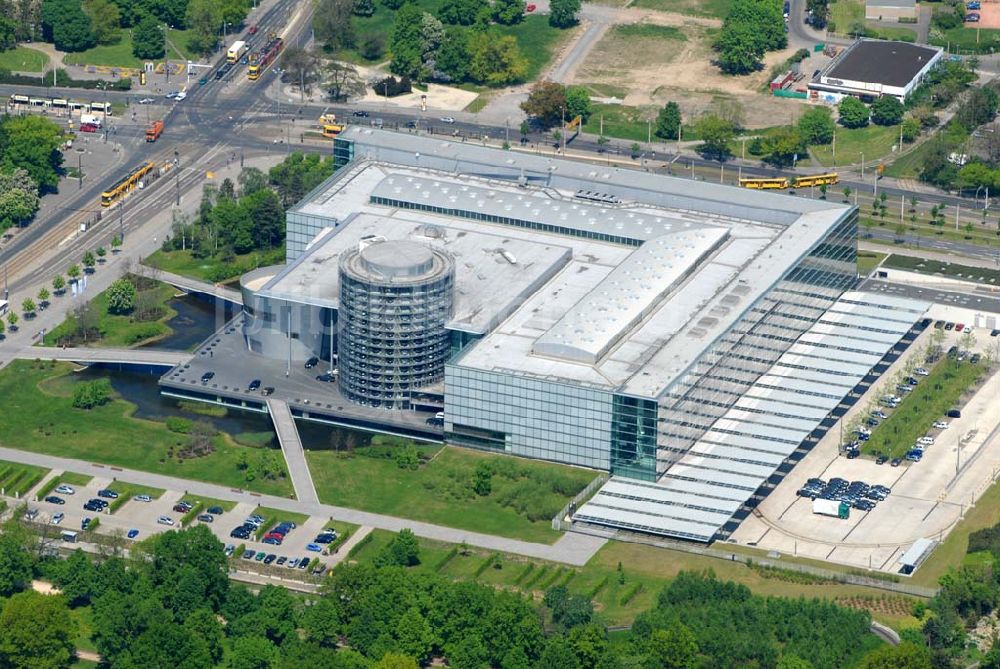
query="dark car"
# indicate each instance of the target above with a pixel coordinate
(249, 555)
(207, 376)
(325, 538)
(272, 540)
(282, 560)
(852, 454)
(214, 510)
(182, 507)
(949, 326)
(939, 324)
(269, 390)
(89, 506)
(434, 420)
(240, 533)
(864, 505)
(254, 385)
(954, 413)
(975, 358)
(270, 558)
(97, 502)
(361, 113)
(895, 462)
(110, 494)
(52, 499)
(994, 333)
(411, 124)
(312, 362)
(206, 518)
(303, 563)
(326, 377)
(86, 523)
(811, 493)
(881, 460)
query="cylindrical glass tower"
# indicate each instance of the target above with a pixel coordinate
(395, 298)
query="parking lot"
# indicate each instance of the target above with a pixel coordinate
(928, 497)
(142, 516)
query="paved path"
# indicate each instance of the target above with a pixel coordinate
(190, 285)
(572, 548)
(291, 447)
(351, 542)
(137, 355)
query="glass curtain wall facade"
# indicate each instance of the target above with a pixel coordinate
(752, 346)
(530, 417)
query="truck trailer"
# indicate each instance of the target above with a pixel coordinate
(832, 507)
(236, 51)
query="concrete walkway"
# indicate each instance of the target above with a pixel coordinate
(291, 447)
(91, 355)
(572, 548)
(190, 285)
(351, 542)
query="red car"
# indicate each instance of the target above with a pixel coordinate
(253, 30)
(275, 535)
(530, 8)
(959, 327)
(88, 127)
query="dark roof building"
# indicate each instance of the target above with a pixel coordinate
(873, 68)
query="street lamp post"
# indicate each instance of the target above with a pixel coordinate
(177, 176)
(166, 51)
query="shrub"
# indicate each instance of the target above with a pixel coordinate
(178, 424)
(391, 86)
(90, 394)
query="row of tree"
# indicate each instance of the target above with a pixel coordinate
(30, 165)
(750, 29)
(77, 25)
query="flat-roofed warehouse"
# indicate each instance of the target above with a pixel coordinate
(691, 339)
(871, 68)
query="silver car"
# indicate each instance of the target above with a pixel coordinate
(165, 520)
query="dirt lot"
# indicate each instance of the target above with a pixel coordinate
(989, 14)
(928, 497)
(653, 71)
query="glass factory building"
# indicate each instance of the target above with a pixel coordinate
(688, 338)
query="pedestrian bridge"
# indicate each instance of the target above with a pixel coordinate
(189, 285)
(92, 356)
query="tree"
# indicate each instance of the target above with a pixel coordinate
(89, 261)
(15, 565)
(816, 126)
(495, 60)
(76, 578)
(206, 625)
(674, 647)
(252, 653)
(431, 36)
(301, 67)
(18, 198)
(90, 394)
(508, 12)
(105, 19)
(168, 644)
(121, 297)
(906, 655)
(783, 146)
(453, 56)
(415, 636)
(402, 551)
(887, 110)
(793, 662)
(203, 17)
(36, 632)
(73, 272)
(3, 329)
(562, 13)
(396, 661)
(558, 654)
(461, 12)
(332, 24)
(67, 25)
(852, 113)
(578, 103)
(28, 307)
(32, 143)
(59, 284)
(148, 39)
(342, 81)
(251, 180)
(364, 7)
(668, 121)
(8, 34)
(12, 320)
(546, 103)
(715, 134)
(43, 297)
(406, 42)
(740, 48)
(483, 479)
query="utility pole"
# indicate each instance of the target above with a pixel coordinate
(177, 176)
(79, 169)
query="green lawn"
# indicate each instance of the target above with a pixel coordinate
(890, 33)
(274, 516)
(646, 571)
(537, 40)
(909, 164)
(938, 268)
(928, 402)
(869, 260)
(875, 141)
(440, 491)
(120, 331)
(23, 59)
(846, 13)
(69, 478)
(708, 8)
(83, 615)
(127, 491)
(17, 479)
(119, 54)
(39, 417)
(213, 269)
(964, 40)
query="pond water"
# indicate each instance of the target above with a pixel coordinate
(196, 319)
(141, 389)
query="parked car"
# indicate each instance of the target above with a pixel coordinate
(254, 385)
(994, 333)
(145, 101)
(941, 424)
(165, 520)
(959, 326)
(272, 541)
(133, 533)
(881, 460)
(864, 505)
(58, 518)
(65, 490)
(260, 557)
(215, 510)
(360, 113)
(954, 413)
(85, 523)
(914, 455)
(52, 499)
(182, 507)
(920, 371)
(312, 362)
(206, 518)
(143, 498)
(895, 462)
(281, 560)
(207, 376)
(972, 18)
(270, 558)
(447, 119)
(530, 8)
(229, 549)
(972, 5)
(110, 494)
(248, 555)
(315, 548)
(268, 391)
(303, 563)
(327, 377)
